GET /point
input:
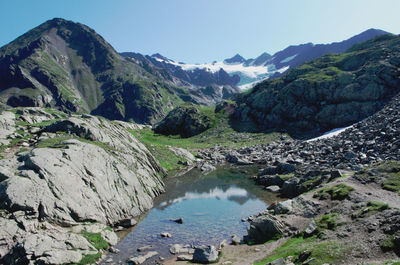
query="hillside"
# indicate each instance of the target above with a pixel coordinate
(69, 66)
(331, 92)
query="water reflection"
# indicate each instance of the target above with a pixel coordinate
(216, 193)
(211, 207)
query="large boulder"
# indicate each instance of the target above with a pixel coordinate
(264, 228)
(205, 254)
(186, 121)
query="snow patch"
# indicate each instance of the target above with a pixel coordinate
(330, 133)
(288, 59)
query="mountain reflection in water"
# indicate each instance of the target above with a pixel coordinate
(211, 207)
(232, 193)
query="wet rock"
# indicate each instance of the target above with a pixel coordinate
(205, 254)
(165, 234)
(178, 221)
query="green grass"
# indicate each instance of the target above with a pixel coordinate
(220, 133)
(337, 192)
(95, 239)
(373, 207)
(387, 173)
(287, 176)
(89, 259)
(330, 252)
(388, 243)
(328, 221)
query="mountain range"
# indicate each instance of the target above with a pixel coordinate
(247, 72)
(68, 66)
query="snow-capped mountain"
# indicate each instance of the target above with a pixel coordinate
(243, 73)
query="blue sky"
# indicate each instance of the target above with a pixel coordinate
(198, 31)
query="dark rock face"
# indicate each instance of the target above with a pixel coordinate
(186, 121)
(331, 92)
(70, 67)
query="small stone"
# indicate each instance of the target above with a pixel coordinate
(235, 240)
(165, 234)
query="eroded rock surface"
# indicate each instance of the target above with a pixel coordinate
(76, 170)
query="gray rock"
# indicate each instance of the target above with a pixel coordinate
(144, 248)
(264, 228)
(7, 126)
(207, 167)
(235, 240)
(184, 258)
(182, 153)
(186, 121)
(273, 188)
(311, 229)
(205, 254)
(108, 177)
(141, 259)
(177, 249)
(279, 261)
(284, 207)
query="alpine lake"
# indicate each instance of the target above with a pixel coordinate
(211, 206)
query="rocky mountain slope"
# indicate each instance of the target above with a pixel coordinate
(69, 66)
(331, 92)
(65, 181)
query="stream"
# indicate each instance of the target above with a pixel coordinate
(211, 206)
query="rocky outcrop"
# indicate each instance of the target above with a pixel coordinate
(186, 121)
(331, 92)
(81, 169)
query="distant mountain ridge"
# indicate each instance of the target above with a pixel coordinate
(251, 71)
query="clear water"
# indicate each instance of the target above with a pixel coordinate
(211, 207)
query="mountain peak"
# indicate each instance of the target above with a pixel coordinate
(237, 59)
(159, 56)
